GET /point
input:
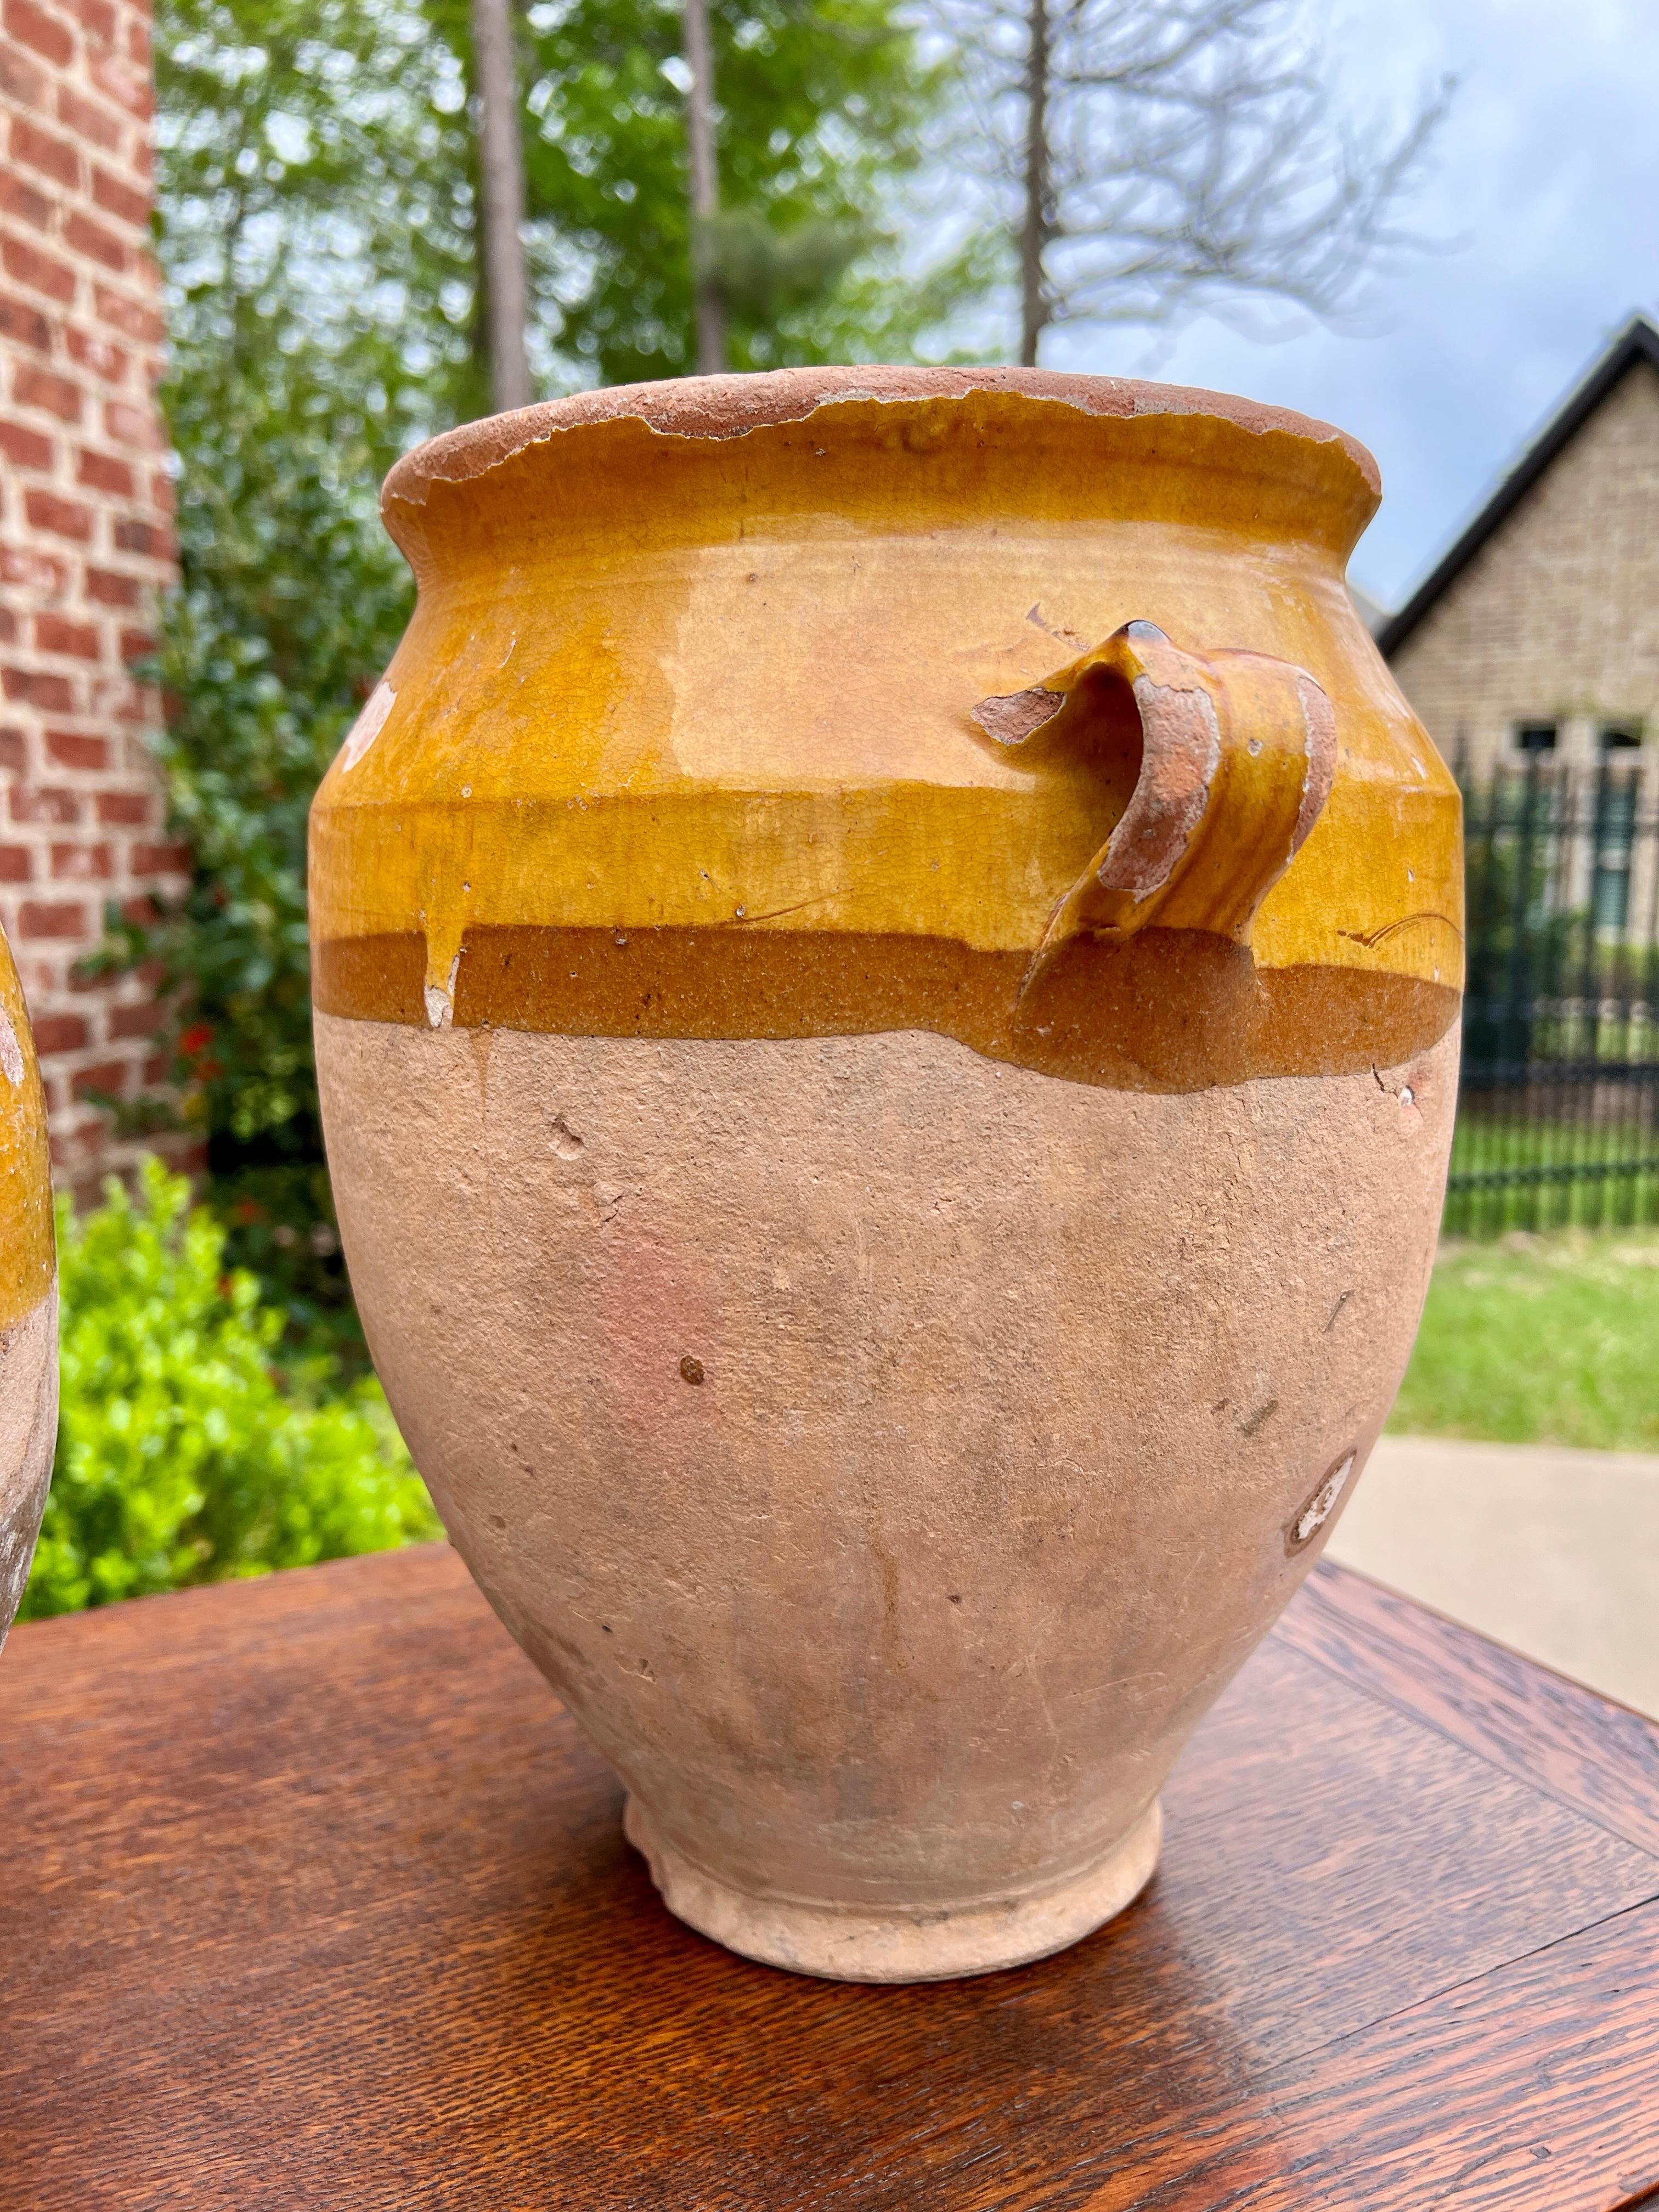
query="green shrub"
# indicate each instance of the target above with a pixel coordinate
(185, 1454)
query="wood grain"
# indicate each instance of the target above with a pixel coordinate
(1598, 1757)
(315, 1897)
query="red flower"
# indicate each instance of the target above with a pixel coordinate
(195, 1038)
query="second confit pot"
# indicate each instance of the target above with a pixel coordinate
(887, 961)
(28, 1297)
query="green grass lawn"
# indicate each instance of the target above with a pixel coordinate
(1540, 1340)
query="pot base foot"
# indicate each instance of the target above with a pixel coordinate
(914, 1945)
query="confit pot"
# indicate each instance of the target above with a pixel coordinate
(28, 1297)
(887, 961)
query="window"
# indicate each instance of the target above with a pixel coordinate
(1620, 736)
(1615, 835)
(1535, 736)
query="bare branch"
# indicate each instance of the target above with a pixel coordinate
(1153, 156)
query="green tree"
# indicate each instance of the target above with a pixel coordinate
(822, 110)
(317, 197)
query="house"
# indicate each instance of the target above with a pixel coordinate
(1538, 633)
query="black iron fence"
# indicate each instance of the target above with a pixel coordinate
(1558, 1116)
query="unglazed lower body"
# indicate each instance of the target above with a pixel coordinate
(28, 1433)
(854, 1943)
(889, 1453)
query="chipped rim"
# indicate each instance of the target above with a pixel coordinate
(719, 407)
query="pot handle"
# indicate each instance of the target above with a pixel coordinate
(1221, 763)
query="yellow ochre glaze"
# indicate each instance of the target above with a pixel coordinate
(26, 1244)
(733, 684)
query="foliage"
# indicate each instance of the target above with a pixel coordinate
(317, 160)
(184, 1455)
(1540, 1340)
(291, 600)
(821, 111)
(316, 196)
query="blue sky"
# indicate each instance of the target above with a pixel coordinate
(1545, 184)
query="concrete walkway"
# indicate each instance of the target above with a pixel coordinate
(1555, 1553)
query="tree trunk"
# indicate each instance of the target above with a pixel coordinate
(1034, 302)
(705, 188)
(500, 164)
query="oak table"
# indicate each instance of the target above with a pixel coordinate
(312, 1897)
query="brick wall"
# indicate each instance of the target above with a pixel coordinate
(84, 543)
(1556, 617)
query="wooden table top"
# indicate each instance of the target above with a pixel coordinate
(313, 1897)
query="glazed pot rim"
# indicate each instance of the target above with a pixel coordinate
(731, 406)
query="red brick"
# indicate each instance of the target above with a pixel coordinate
(20, 80)
(140, 1021)
(24, 200)
(25, 264)
(25, 325)
(110, 700)
(41, 804)
(53, 918)
(120, 200)
(88, 119)
(134, 537)
(63, 518)
(50, 693)
(42, 33)
(125, 82)
(141, 323)
(81, 304)
(71, 749)
(105, 361)
(83, 863)
(84, 236)
(138, 645)
(25, 449)
(161, 859)
(46, 574)
(99, 472)
(62, 1033)
(125, 809)
(74, 641)
(54, 395)
(8, 627)
(143, 913)
(109, 589)
(109, 1077)
(136, 428)
(44, 150)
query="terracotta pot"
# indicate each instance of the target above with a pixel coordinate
(887, 963)
(28, 1297)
